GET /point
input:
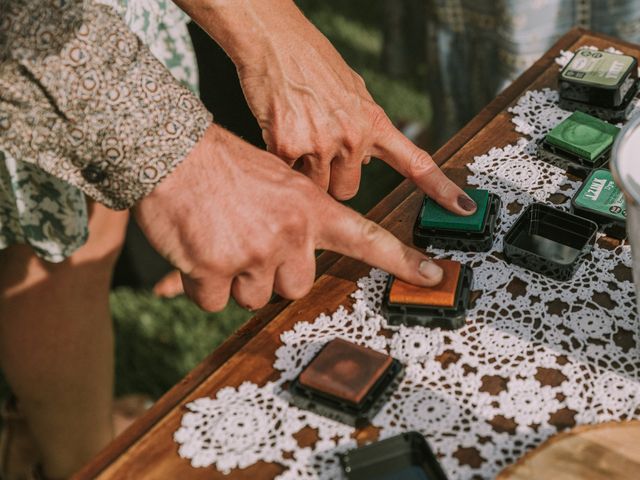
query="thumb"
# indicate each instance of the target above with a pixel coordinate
(349, 233)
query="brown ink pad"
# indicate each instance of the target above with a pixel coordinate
(346, 382)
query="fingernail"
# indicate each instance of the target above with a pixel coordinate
(466, 203)
(430, 270)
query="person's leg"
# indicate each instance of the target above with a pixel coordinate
(56, 343)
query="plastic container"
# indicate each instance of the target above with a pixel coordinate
(462, 236)
(404, 457)
(549, 241)
(448, 318)
(342, 408)
(600, 83)
(599, 199)
(581, 141)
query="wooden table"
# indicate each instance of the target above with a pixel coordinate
(147, 450)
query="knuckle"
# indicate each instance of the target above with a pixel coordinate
(285, 148)
(344, 192)
(351, 139)
(370, 232)
(421, 164)
(379, 118)
(209, 303)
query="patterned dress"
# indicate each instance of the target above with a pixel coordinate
(48, 213)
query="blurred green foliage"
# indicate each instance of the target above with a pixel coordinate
(158, 341)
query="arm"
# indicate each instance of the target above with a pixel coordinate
(82, 98)
(310, 105)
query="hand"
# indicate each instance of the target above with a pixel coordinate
(314, 109)
(236, 220)
(311, 106)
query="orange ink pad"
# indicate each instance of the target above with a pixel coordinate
(443, 305)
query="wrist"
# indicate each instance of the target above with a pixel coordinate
(247, 30)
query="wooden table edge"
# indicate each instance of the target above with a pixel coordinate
(249, 329)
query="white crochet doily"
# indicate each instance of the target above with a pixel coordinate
(535, 355)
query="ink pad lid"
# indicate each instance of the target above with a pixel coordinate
(403, 457)
(437, 227)
(346, 382)
(549, 241)
(442, 306)
(599, 199)
(598, 78)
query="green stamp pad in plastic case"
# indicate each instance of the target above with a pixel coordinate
(580, 139)
(599, 199)
(437, 227)
(434, 216)
(600, 83)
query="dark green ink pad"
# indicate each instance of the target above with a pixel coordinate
(599, 199)
(404, 457)
(580, 139)
(600, 83)
(437, 227)
(549, 241)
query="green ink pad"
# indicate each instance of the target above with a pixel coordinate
(600, 83)
(599, 199)
(440, 228)
(579, 139)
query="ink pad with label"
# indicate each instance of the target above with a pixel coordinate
(600, 83)
(580, 139)
(549, 241)
(346, 382)
(442, 306)
(440, 228)
(404, 457)
(599, 199)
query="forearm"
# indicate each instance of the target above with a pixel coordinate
(91, 105)
(250, 31)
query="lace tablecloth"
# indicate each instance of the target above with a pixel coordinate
(535, 356)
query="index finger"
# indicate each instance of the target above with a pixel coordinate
(349, 233)
(417, 165)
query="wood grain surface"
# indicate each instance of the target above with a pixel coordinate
(147, 450)
(608, 451)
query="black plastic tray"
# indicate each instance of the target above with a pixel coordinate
(549, 241)
(609, 114)
(458, 239)
(569, 160)
(404, 457)
(431, 317)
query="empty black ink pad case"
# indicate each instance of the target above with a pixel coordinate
(599, 199)
(600, 83)
(549, 241)
(404, 457)
(443, 306)
(440, 228)
(346, 382)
